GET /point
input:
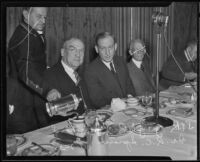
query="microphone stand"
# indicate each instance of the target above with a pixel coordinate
(164, 121)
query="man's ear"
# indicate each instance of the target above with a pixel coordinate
(96, 49)
(62, 52)
(25, 14)
(115, 46)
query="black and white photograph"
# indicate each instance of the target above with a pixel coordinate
(100, 80)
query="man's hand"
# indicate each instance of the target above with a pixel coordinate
(53, 95)
(190, 75)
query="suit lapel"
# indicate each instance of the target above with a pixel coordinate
(65, 75)
(119, 74)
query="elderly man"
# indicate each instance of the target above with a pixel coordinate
(64, 75)
(171, 73)
(139, 69)
(27, 61)
(107, 76)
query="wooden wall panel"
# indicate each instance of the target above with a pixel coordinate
(125, 23)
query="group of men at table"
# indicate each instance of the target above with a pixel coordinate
(30, 84)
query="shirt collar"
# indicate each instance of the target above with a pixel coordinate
(40, 32)
(186, 55)
(68, 69)
(108, 64)
(137, 63)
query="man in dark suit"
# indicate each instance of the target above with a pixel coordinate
(171, 73)
(64, 76)
(27, 61)
(107, 76)
(139, 69)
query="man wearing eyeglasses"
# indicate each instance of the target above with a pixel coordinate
(139, 69)
(182, 70)
(107, 76)
(65, 76)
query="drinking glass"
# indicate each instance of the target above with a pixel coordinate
(147, 100)
(11, 145)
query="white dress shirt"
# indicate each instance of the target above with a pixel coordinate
(137, 63)
(69, 71)
(108, 65)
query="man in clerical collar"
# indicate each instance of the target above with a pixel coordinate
(27, 63)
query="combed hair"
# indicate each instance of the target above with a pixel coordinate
(136, 40)
(103, 35)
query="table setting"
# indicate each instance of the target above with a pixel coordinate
(118, 129)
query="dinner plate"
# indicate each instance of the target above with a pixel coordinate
(21, 140)
(104, 114)
(37, 151)
(130, 111)
(134, 112)
(140, 129)
(181, 112)
(115, 130)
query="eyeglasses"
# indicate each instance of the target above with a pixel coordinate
(143, 49)
(74, 49)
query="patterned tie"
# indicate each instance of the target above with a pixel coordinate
(142, 67)
(112, 68)
(77, 77)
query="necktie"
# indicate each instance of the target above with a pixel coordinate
(142, 67)
(77, 77)
(112, 68)
(42, 37)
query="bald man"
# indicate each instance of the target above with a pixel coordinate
(64, 75)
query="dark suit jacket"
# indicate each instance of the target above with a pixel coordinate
(27, 66)
(102, 84)
(172, 75)
(59, 79)
(22, 119)
(142, 80)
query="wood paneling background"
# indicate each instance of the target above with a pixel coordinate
(125, 23)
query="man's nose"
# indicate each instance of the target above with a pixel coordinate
(107, 51)
(43, 20)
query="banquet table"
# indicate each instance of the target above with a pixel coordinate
(178, 141)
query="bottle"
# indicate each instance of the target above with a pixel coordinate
(97, 137)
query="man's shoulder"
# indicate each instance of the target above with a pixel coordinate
(53, 68)
(93, 64)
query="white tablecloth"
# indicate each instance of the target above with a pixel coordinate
(178, 141)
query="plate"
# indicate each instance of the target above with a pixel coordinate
(139, 129)
(21, 140)
(115, 130)
(182, 112)
(134, 112)
(130, 111)
(37, 151)
(104, 114)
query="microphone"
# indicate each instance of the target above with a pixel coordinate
(160, 19)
